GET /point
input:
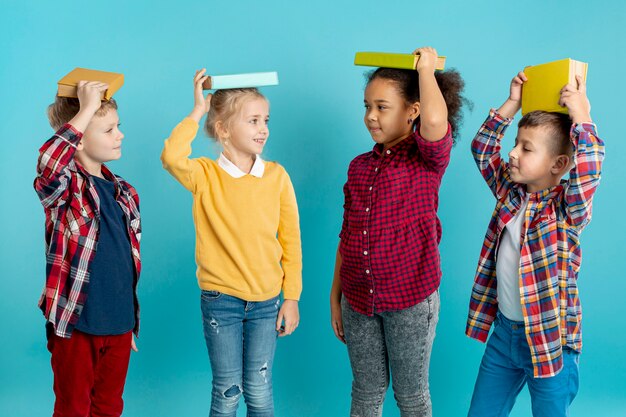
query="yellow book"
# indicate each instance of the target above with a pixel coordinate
(542, 91)
(67, 84)
(392, 60)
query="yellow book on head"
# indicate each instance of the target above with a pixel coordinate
(67, 84)
(392, 60)
(542, 91)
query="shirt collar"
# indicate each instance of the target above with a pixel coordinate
(258, 168)
(542, 195)
(378, 148)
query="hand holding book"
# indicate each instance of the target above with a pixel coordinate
(574, 98)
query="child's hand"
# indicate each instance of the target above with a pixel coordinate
(335, 319)
(427, 61)
(133, 344)
(291, 316)
(514, 102)
(574, 97)
(201, 104)
(89, 93)
(515, 93)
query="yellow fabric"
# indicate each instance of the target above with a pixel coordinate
(247, 229)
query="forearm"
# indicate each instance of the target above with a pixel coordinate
(335, 291)
(509, 108)
(176, 152)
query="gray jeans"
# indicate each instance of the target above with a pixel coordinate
(400, 340)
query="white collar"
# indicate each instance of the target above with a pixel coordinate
(233, 170)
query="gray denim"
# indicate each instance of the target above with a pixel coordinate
(401, 340)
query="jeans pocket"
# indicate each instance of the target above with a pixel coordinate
(210, 295)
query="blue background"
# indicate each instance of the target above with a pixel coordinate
(316, 129)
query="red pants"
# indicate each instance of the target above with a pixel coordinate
(89, 374)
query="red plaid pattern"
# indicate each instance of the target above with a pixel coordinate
(550, 249)
(391, 232)
(72, 208)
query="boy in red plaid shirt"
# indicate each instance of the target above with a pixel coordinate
(526, 282)
(92, 255)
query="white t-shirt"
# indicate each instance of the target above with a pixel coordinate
(508, 265)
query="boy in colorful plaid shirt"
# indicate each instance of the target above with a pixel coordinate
(93, 230)
(526, 278)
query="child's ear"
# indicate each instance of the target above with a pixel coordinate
(221, 130)
(561, 164)
(415, 110)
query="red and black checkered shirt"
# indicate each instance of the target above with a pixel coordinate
(72, 208)
(390, 233)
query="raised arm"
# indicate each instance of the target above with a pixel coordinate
(177, 148)
(58, 152)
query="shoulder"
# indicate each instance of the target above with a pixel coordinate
(360, 161)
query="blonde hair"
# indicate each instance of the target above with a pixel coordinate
(225, 105)
(65, 108)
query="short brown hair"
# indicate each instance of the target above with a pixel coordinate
(65, 108)
(558, 124)
(225, 104)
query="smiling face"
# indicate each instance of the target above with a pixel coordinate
(102, 140)
(248, 131)
(387, 113)
(533, 160)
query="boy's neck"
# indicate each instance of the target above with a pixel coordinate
(543, 185)
(92, 167)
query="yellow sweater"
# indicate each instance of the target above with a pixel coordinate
(247, 229)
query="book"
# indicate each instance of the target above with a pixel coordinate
(542, 91)
(392, 60)
(254, 79)
(67, 85)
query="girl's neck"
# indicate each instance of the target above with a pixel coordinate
(243, 161)
(391, 144)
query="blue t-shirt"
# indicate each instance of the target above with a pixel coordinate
(110, 305)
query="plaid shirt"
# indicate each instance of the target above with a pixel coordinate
(550, 251)
(72, 207)
(391, 232)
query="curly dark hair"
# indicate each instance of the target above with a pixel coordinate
(450, 83)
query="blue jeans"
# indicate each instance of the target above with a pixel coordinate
(241, 339)
(507, 366)
(400, 341)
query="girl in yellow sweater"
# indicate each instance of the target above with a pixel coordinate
(247, 243)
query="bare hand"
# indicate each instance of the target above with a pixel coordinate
(133, 345)
(89, 95)
(200, 102)
(515, 93)
(290, 315)
(428, 59)
(574, 97)
(336, 321)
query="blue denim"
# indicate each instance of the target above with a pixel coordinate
(507, 366)
(241, 339)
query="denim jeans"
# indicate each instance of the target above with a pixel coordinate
(507, 366)
(398, 340)
(241, 339)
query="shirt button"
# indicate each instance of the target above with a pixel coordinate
(367, 209)
(371, 188)
(371, 291)
(376, 169)
(364, 232)
(388, 152)
(365, 252)
(367, 271)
